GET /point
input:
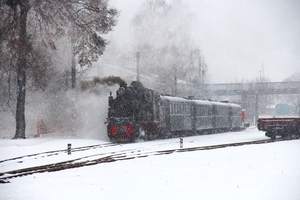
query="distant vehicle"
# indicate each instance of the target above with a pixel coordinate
(283, 127)
(138, 112)
(283, 109)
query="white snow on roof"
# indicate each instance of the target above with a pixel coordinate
(199, 102)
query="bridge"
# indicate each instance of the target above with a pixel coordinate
(261, 88)
(250, 93)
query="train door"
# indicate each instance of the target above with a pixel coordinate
(230, 117)
(161, 114)
(214, 118)
(164, 113)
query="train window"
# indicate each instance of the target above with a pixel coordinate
(180, 109)
(186, 109)
(223, 111)
(220, 110)
(174, 109)
(198, 111)
(205, 111)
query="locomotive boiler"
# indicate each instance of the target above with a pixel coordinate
(139, 112)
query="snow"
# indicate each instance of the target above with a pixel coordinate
(264, 171)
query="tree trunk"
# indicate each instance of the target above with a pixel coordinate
(73, 67)
(21, 72)
(73, 71)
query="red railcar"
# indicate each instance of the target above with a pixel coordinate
(284, 127)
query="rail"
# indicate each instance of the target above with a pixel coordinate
(115, 156)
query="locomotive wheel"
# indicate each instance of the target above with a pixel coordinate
(150, 135)
(273, 135)
(162, 134)
(287, 135)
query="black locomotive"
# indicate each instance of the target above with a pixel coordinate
(138, 112)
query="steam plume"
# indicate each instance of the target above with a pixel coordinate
(110, 81)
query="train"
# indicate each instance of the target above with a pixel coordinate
(141, 113)
(281, 127)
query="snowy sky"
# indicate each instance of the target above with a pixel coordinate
(240, 40)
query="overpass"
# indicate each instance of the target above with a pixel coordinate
(250, 92)
(261, 88)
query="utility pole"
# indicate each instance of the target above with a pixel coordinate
(175, 80)
(199, 67)
(138, 55)
(202, 78)
(256, 107)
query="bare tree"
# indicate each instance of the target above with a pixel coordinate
(26, 23)
(162, 34)
(294, 99)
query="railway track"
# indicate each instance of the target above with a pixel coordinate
(56, 152)
(116, 156)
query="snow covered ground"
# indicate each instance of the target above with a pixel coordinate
(264, 171)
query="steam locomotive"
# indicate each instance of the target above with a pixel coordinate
(139, 112)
